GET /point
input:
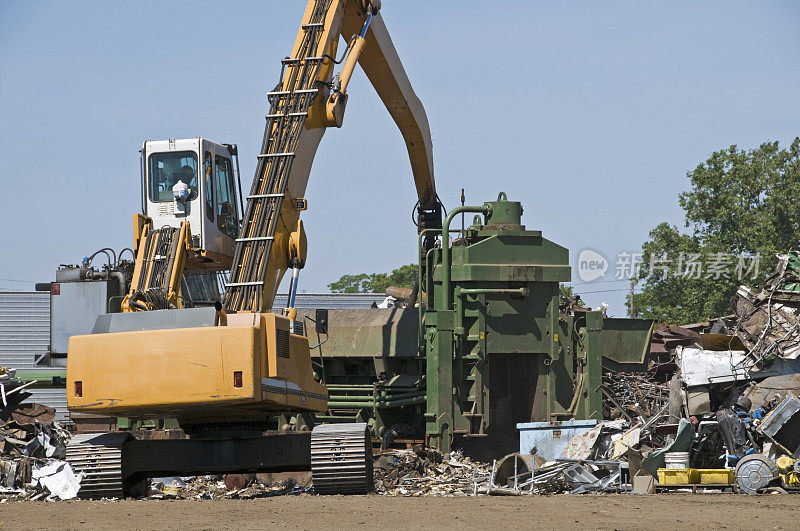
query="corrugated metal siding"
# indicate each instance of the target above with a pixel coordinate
(330, 301)
(24, 327)
(53, 397)
(24, 336)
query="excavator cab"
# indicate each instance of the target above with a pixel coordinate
(194, 180)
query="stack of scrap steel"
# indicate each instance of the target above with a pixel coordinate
(729, 417)
(739, 447)
(663, 344)
(739, 384)
(769, 321)
(632, 394)
(231, 486)
(32, 447)
(422, 471)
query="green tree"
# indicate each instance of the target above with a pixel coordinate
(350, 284)
(404, 277)
(678, 298)
(566, 291)
(740, 203)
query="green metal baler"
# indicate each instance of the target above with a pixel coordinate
(489, 347)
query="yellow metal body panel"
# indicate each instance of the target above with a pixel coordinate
(188, 373)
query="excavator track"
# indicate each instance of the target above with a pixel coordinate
(341, 459)
(99, 458)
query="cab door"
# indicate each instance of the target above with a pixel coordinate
(220, 210)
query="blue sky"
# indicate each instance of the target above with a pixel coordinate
(589, 113)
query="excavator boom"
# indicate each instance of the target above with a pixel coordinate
(307, 100)
(385, 71)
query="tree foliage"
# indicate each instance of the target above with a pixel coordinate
(404, 277)
(566, 291)
(740, 203)
(678, 299)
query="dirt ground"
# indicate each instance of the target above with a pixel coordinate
(664, 511)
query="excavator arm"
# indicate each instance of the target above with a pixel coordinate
(383, 68)
(308, 99)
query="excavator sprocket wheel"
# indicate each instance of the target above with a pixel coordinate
(99, 457)
(341, 459)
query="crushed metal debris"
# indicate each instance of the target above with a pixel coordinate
(217, 487)
(32, 447)
(422, 471)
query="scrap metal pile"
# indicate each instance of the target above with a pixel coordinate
(727, 450)
(231, 486)
(717, 409)
(423, 471)
(32, 447)
(768, 322)
(740, 381)
(729, 389)
(630, 394)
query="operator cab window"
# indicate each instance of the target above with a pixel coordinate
(227, 220)
(209, 187)
(166, 169)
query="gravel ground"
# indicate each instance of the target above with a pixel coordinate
(664, 511)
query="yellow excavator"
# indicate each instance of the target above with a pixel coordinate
(225, 372)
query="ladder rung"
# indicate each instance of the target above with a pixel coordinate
(263, 196)
(255, 239)
(313, 25)
(298, 59)
(288, 115)
(286, 92)
(235, 284)
(268, 155)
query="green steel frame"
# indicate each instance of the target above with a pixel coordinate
(493, 348)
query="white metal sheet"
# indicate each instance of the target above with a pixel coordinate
(708, 367)
(24, 327)
(75, 310)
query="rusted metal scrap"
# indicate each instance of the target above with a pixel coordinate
(633, 394)
(665, 339)
(423, 471)
(768, 322)
(570, 305)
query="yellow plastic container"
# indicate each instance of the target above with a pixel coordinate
(677, 476)
(715, 476)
